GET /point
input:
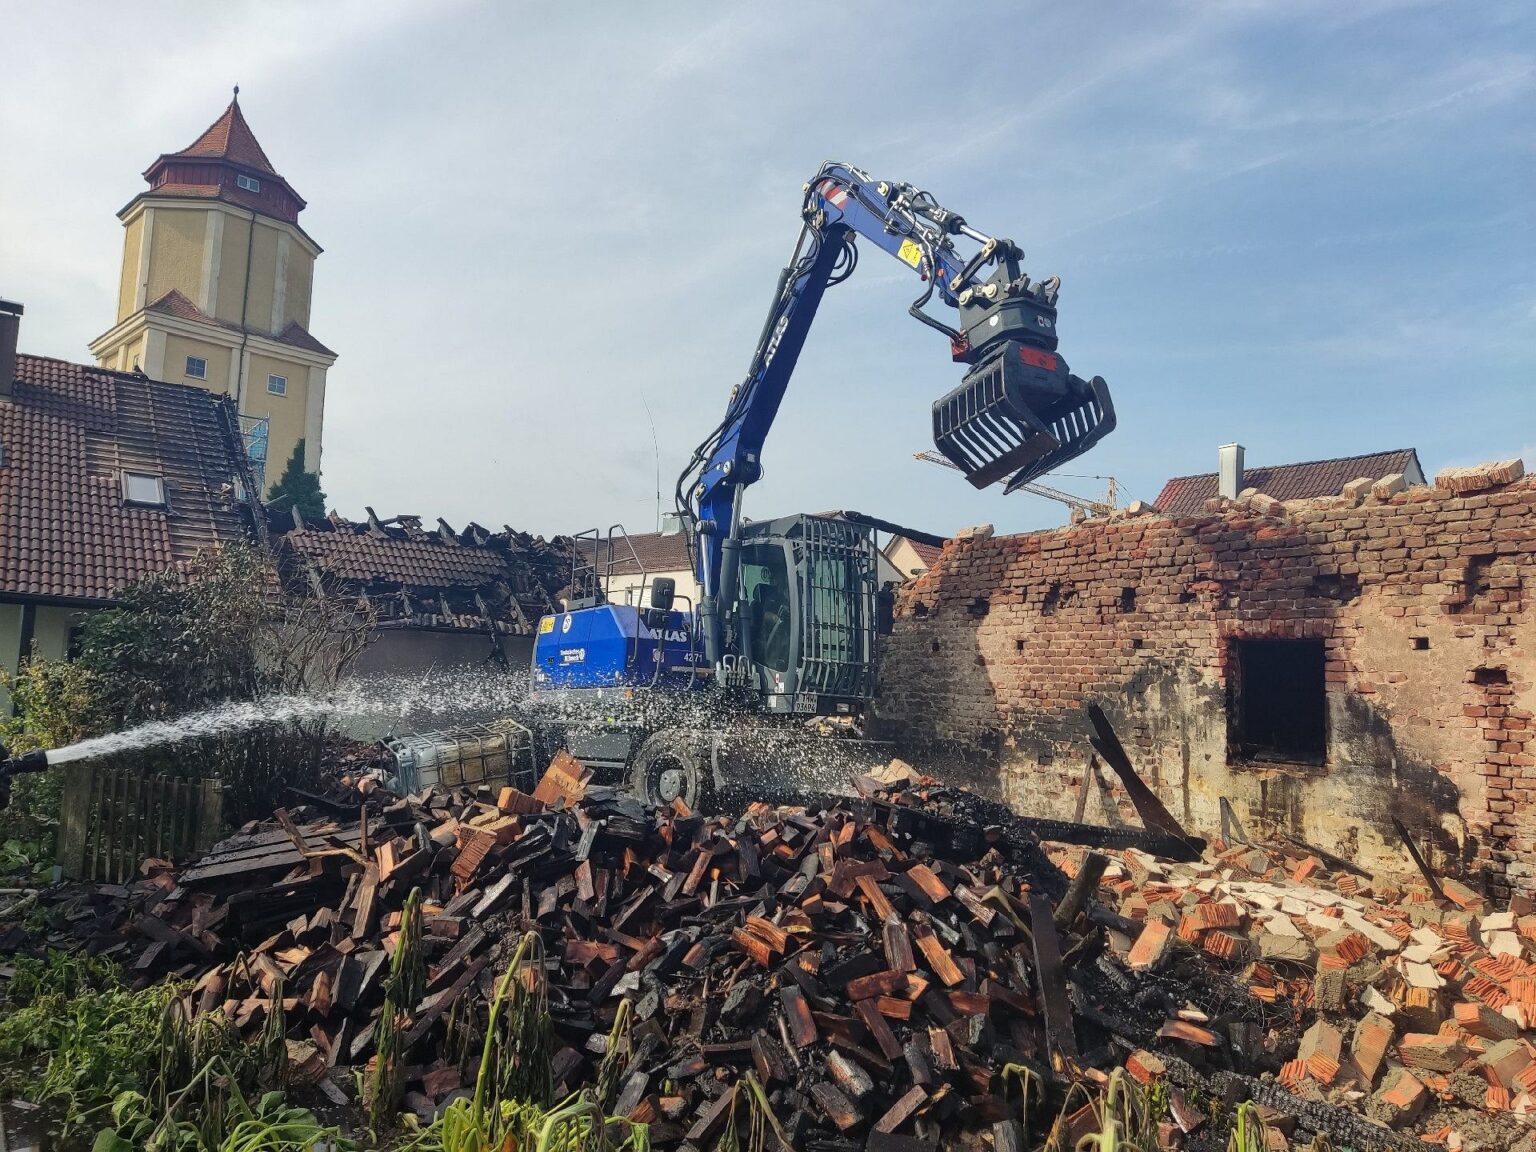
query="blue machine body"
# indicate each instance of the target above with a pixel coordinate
(616, 646)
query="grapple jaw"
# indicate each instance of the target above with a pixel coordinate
(1018, 414)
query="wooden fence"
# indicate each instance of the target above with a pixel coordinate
(111, 820)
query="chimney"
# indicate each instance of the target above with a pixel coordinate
(10, 328)
(1229, 475)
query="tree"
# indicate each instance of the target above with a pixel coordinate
(297, 488)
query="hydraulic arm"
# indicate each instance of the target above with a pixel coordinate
(1017, 413)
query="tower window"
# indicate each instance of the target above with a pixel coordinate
(197, 368)
(141, 489)
(277, 385)
(249, 183)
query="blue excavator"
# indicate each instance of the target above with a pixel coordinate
(671, 695)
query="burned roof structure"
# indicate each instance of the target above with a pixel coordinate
(416, 577)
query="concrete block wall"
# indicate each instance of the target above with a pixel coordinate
(1422, 602)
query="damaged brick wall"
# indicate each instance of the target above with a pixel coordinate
(1414, 605)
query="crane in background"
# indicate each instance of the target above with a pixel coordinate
(1079, 504)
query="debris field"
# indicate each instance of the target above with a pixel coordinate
(896, 967)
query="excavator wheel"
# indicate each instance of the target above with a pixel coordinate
(672, 764)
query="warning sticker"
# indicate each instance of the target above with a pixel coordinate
(546, 625)
(910, 252)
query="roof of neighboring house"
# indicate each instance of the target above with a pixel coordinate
(68, 434)
(653, 551)
(927, 553)
(174, 303)
(230, 138)
(1186, 495)
(431, 577)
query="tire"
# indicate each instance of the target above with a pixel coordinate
(669, 765)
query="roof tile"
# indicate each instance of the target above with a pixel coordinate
(1186, 495)
(69, 431)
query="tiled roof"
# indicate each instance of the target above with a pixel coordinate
(230, 138)
(927, 553)
(173, 303)
(68, 433)
(298, 335)
(1186, 495)
(655, 553)
(354, 555)
(432, 578)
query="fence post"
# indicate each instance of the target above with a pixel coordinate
(75, 818)
(210, 815)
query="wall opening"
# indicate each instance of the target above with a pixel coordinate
(1277, 706)
(1127, 599)
(1421, 643)
(1487, 676)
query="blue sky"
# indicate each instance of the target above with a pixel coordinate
(1306, 226)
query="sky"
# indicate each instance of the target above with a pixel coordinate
(551, 231)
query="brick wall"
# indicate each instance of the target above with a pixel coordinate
(1420, 599)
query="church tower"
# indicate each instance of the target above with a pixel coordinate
(215, 290)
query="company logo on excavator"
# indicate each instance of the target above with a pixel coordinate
(1037, 358)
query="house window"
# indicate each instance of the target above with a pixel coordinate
(141, 489)
(197, 368)
(1277, 701)
(277, 385)
(249, 183)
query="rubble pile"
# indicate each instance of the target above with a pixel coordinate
(894, 967)
(1413, 1008)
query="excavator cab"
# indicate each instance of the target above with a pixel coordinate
(806, 612)
(1019, 412)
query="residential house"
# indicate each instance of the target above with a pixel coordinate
(105, 477)
(1186, 495)
(445, 600)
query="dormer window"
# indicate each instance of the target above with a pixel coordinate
(139, 488)
(249, 183)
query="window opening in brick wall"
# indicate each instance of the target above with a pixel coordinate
(1018, 645)
(1421, 643)
(1052, 598)
(1277, 700)
(1137, 642)
(1127, 599)
(1490, 676)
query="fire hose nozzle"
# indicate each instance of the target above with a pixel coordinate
(34, 761)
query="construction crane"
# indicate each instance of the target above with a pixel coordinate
(1083, 504)
(789, 609)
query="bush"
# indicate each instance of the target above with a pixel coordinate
(218, 629)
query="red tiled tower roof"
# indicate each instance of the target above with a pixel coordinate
(225, 163)
(230, 138)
